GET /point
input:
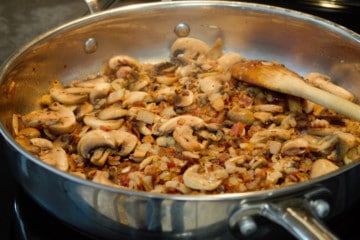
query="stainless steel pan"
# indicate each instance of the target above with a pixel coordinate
(304, 43)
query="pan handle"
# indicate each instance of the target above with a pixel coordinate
(298, 216)
(95, 6)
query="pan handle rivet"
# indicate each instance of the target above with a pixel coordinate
(90, 45)
(321, 207)
(182, 30)
(247, 226)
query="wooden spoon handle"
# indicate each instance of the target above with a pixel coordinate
(278, 78)
(330, 101)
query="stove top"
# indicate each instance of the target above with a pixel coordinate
(28, 221)
(21, 217)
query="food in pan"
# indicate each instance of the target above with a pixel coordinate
(187, 125)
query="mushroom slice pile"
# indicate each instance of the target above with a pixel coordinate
(188, 125)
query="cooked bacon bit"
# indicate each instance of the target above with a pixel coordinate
(237, 129)
(171, 164)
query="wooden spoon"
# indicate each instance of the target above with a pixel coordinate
(278, 78)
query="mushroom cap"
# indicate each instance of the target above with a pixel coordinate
(321, 167)
(66, 119)
(190, 48)
(114, 139)
(190, 120)
(95, 139)
(208, 181)
(97, 123)
(126, 140)
(56, 157)
(69, 95)
(57, 118)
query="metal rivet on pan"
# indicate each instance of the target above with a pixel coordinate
(321, 207)
(247, 226)
(90, 45)
(182, 30)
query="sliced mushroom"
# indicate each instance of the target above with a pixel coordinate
(143, 81)
(346, 142)
(263, 117)
(189, 120)
(56, 157)
(27, 145)
(295, 146)
(113, 111)
(29, 132)
(115, 96)
(238, 114)
(322, 145)
(90, 83)
(217, 101)
(83, 110)
(216, 50)
(187, 70)
(233, 164)
(213, 136)
(57, 118)
(166, 79)
(123, 60)
(197, 178)
(42, 143)
(141, 150)
(96, 123)
(103, 177)
(165, 141)
(69, 95)
(183, 135)
(268, 108)
(227, 60)
(178, 185)
(66, 119)
(67, 142)
(132, 97)
(273, 176)
(39, 118)
(263, 135)
(15, 123)
(183, 98)
(99, 156)
(95, 139)
(126, 140)
(147, 161)
(100, 90)
(321, 167)
(188, 48)
(138, 180)
(164, 93)
(146, 116)
(210, 84)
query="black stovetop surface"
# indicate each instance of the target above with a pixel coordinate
(20, 21)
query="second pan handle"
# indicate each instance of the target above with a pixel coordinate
(300, 216)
